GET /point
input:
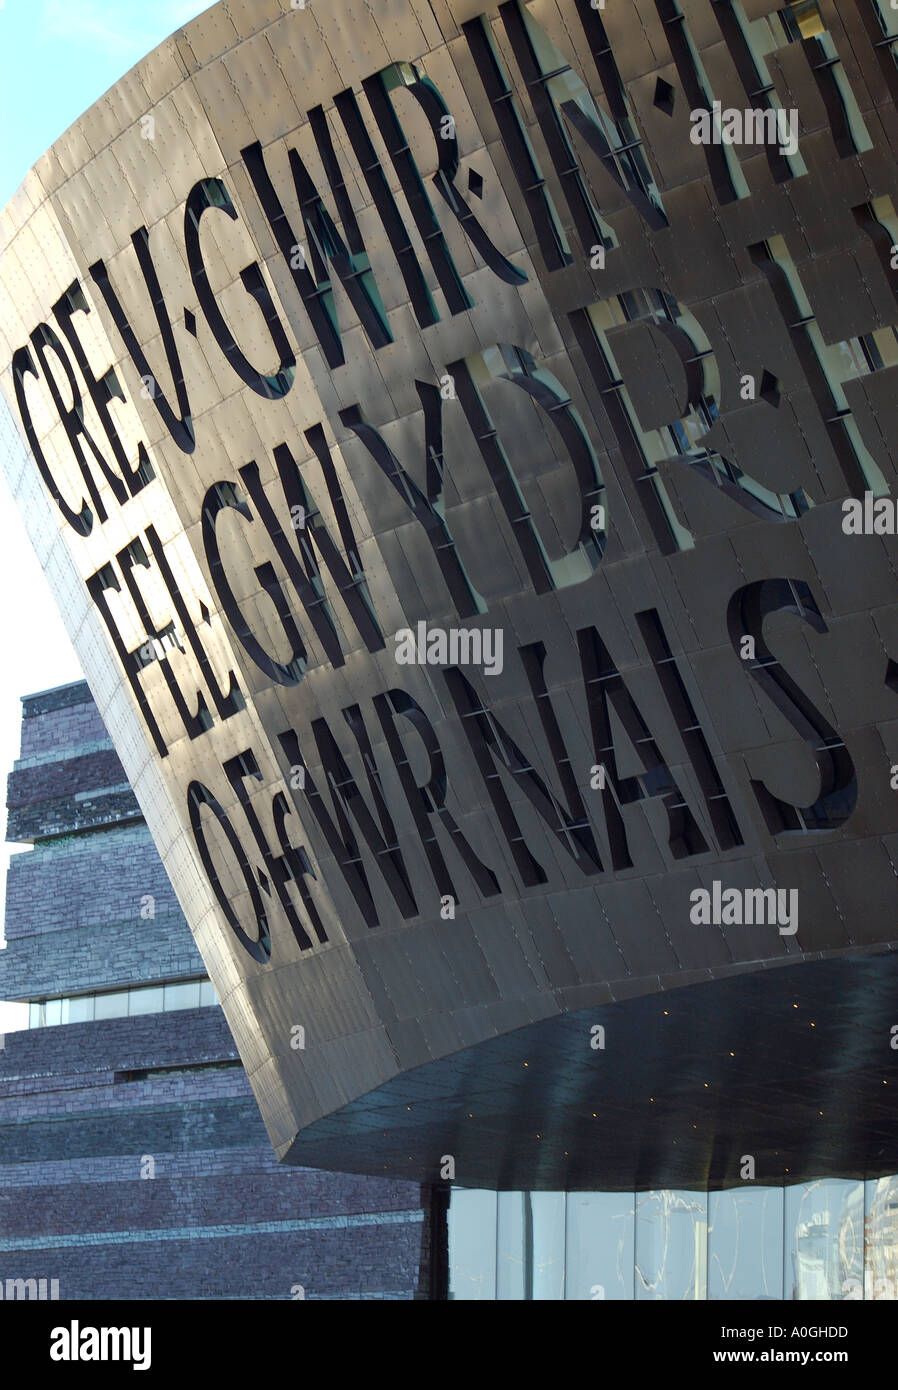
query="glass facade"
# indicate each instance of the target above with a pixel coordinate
(121, 1003)
(833, 1240)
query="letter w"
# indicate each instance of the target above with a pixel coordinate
(350, 261)
(306, 577)
(348, 800)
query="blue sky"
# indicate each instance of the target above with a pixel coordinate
(56, 58)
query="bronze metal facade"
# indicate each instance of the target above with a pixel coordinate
(439, 455)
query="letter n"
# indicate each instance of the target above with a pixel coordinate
(493, 748)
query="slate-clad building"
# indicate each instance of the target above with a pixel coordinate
(133, 1160)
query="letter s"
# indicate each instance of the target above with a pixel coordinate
(747, 609)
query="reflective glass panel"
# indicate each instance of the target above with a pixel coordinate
(600, 1249)
(824, 1239)
(111, 1005)
(671, 1245)
(745, 1243)
(81, 1008)
(545, 1271)
(472, 1245)
(145, 1001)
(881, 1247)
(513, 1215)
(53, 1011)
(208, 993)
(185, 996)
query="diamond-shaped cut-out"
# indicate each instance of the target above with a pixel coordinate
(475, 183)
(190, 322)
(770, 388)
(664, 96)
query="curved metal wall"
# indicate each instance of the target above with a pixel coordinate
(440, 418)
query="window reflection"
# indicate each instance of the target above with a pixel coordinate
(600, 1251)
(182, 996)
(828, 1239)
(545, 1270)
(824, 1233)
(881, 1243)
(512, 1232)
(472, 1245)
(745, 1243)
(111, 1005)
(671, 1245)
(148, 999)
(81, 1008)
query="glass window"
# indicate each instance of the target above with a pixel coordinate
(111, 1005)
(81, 1008)
(600, 1254)
(53, 1011)
(145, 1001)
(512, 1216)
(208, 993)
(186, 996)
(745, 1243)
(881, 1252)
(544, 1259)
(671, 1245)
(472, 1245)
(530, 1238)
(35, 1015)
(824, 1239)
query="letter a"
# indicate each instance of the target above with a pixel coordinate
(405, 647)
(59, 1344)
(700, 913)
(700, 134)
(852, 520)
